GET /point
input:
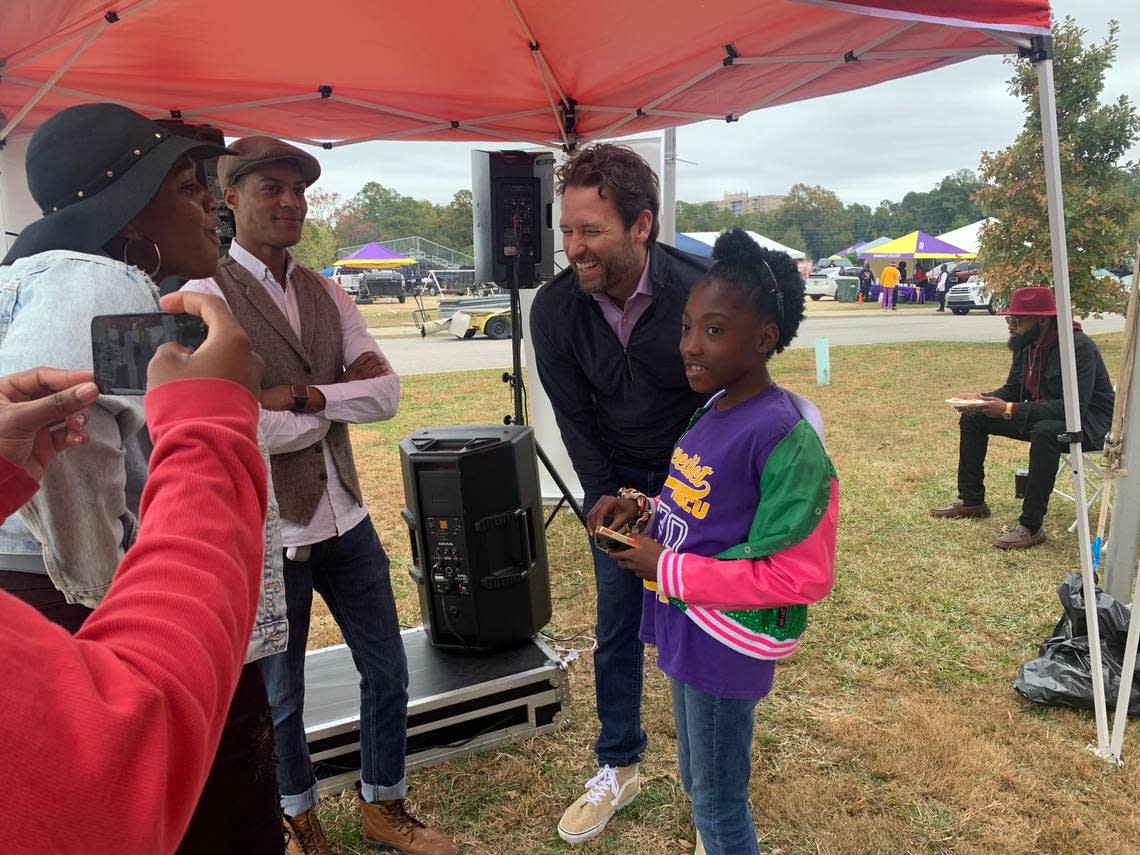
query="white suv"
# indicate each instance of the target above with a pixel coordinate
(822, 283)
(971, 294)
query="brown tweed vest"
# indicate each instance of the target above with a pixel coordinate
(317, 359)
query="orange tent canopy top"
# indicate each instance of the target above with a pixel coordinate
(343, 71)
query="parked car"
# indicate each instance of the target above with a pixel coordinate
(966, 270)
(349, 278)
(385, 283)
(972, 294)
(823, 283)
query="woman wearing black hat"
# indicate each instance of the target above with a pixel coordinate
(122, 208)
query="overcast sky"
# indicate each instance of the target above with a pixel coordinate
(861, 144)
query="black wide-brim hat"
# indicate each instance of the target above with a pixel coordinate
(91, 169)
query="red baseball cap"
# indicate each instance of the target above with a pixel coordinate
(1036, 301)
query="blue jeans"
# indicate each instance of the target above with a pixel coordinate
(714, 750)
(350, 573)
(619, 660)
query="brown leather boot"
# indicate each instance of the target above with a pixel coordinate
(956, 510)
(307, 836)
(389, 824)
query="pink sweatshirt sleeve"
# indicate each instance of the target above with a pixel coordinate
(798, 575)
(110, 734)
(16, 487)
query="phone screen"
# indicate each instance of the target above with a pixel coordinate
(605, 540)
(123, 345)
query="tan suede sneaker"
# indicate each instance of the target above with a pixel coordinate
(606, 793)
(306, 837)
(389, 824)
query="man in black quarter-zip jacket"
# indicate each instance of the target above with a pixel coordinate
(606, 335)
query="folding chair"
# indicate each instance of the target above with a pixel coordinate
(1094, 480)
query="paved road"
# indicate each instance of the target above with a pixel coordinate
(410, 354)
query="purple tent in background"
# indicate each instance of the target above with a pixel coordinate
(846, 251)
(375, 255)
(917, 245)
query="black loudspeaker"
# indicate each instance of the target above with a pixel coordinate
(474, 514)
(512, 199)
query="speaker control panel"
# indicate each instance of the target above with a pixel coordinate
(447, 556)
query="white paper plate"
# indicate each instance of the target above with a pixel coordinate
(964, 403)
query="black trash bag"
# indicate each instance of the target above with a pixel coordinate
(1062, 674)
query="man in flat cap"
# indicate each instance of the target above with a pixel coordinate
(323, 371)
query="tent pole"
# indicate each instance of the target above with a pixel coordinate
(1041, 54)
(669, 190)
(1120, 719)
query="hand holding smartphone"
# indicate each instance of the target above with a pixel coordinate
(611, 541)
(122, 346)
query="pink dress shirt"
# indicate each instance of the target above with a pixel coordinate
(622, 320)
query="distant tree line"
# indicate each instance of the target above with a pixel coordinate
(815, 220)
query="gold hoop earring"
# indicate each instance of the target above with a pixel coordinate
(157, 252)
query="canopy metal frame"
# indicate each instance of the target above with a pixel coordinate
(561, 105)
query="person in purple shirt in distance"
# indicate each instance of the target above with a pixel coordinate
(743, 532)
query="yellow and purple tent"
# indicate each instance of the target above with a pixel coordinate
(917, 244)
(375, 256)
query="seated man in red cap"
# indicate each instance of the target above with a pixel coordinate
(1030, 407)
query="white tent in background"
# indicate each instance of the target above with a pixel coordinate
(709, 238)
(967, 236)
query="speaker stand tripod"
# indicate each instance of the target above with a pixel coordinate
(515, 379)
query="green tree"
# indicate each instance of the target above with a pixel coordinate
(455, 224)
(1093, 138)
(318, 244)
(818, 214)
(794, 238)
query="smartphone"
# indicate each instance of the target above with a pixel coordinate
(609, 540)
(123, 345)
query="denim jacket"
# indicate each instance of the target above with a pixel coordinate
(81, 521)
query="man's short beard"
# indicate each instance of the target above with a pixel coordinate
(1017, 342)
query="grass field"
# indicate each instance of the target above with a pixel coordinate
(895, 729)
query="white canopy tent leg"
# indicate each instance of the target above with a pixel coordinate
(1041, 54)
(1120, 719)
(668, 233)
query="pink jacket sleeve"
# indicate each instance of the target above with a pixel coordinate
(109, 735)
(799, 575)
(16, 487)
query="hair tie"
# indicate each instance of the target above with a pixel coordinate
(777, 290)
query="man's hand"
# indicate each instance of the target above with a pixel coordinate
(368, 366)
(280, 398)
(986, 405)
(226, 353)
(31, 404)
(617, 511)
(640, 560)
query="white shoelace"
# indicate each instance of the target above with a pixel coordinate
(602, 783)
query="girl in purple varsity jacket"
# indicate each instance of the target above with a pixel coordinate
(743, 533)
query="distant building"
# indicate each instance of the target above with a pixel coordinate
(742, 203)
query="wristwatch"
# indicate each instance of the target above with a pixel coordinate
(301, 398)
(1008, 413)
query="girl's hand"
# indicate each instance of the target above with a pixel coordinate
(618, 511)
(642, 559)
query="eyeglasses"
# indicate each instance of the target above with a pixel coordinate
(1013, 320)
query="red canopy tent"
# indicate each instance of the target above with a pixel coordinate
(344, 71)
